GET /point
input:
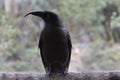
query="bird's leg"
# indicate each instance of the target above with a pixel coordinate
(63, 73)
(49, 72)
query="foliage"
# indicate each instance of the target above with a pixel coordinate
(82, 18)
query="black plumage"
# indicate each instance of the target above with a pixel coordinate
(55, 43)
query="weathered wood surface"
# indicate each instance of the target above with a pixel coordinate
(70, 76)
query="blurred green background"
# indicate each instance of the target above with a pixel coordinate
(94, 26)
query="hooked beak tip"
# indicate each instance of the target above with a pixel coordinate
(27, 14)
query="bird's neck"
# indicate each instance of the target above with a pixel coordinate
(54, 24)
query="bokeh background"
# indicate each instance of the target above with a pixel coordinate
(94, 26)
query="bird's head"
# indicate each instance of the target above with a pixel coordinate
(48, 16)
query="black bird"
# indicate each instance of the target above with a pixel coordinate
(55, 43)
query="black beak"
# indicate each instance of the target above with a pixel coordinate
(37, 13)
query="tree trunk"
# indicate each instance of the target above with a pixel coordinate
(7, 5)
(108, 30)
(15, 7)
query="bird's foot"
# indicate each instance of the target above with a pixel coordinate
(51, 75)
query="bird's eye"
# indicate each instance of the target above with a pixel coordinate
(47, 15)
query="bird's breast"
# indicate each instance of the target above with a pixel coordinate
(55, 45)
